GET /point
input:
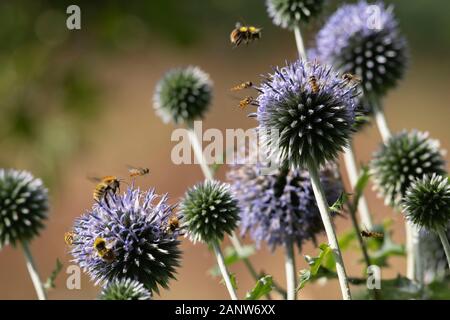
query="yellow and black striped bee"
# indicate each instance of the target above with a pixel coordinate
(137, 171)
(242, 86)
(68, 238)
(351, 78)
(314, 84)
(104, 186)
(244, 34)
(103, 251)
(173, 224)
(371, 234)
(247, 101)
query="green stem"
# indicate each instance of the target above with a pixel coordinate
(224, 271)
(290, 272)
(299, 41)
(445, 243)
(353, 175)
(380, 119)
(34, 275)
(331, 235)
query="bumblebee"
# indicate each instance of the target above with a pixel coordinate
(103, 251)
(247, 101)
(244, 34)
(371, 234)
(104, 186)
(137, 172)
(314, 84)
(242, 86)
(68, 238)
(173, 224)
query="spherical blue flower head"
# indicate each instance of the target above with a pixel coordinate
(183, 95)
(427, 202)
(363, 39)
(289, 13)
(281, 207)
(312, 110)
(138, 243)
(125, 289)
(23, 206)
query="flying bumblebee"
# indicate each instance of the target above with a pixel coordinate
(244, 34)
(247, 101)
(314, 84)
(104, 186)
(103, 251)
(351, 78)
(137, 171)
(242, 86)
(370, 234)
(68, 238)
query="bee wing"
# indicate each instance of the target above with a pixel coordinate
(94, 179)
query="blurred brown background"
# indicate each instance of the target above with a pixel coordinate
(74, 103)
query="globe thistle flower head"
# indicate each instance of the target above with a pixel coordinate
(306, 113)
(128, 237)
(24, 206)
(210, 211)
(404, 158)
(125, 289)
(183, 95)
(364, 39)
(289, 13)
(281, 208)
(427, 202)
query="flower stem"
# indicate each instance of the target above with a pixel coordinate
(445, 243)
(380, 119)
(198, 153)
(224, 271)
(410, 260)
(352, 172)
(40, 291)
(331, 235)
(290, 272)
(299, 42)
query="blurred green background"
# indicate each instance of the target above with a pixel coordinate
(78, 102)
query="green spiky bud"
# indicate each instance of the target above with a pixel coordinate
(406, 157)
(183, 95)
(427, 202)
(125, 289)
(289, 13)
(210, 211)
(23, 206)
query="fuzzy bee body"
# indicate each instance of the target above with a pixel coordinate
(247, 101)
(103, 251)
(314, 84)
(104, 186)
(244, 34)
(242, 86)
(371, 234)
(137, 172)
(173, 224)
(68, 238)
